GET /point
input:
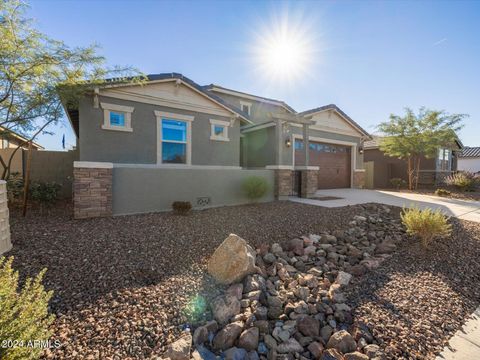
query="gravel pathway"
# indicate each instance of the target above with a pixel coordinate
(121, 284)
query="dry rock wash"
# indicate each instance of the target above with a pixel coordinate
(319, 297)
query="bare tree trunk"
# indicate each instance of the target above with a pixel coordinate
(27, 179)
(418, 172)
(410, 173)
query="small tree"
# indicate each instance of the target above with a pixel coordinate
(23, 313)
(416, 135)
(36, 72)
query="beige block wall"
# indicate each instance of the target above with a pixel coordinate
(5, 243)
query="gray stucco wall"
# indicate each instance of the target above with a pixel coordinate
(150, 189)
(140, 146)
(259, 148)
(259, 110)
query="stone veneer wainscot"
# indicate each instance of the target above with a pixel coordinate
(92, 189)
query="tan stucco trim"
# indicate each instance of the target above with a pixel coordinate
(359, 130)
(93, 164)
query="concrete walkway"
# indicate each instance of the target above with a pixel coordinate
(465, 344)
(462, 209)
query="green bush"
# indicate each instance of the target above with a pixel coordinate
(463, 181)
(45, 193)
(426, 224)
(398, 183)
(23, 313)
(442, 192)
(15, 186)
(255, 187)
(181, 207)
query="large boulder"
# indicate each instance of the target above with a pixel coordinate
(232, 260)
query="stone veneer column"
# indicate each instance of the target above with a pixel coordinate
(283, 183)
(92, 189)
(359, 179)
(5, 243)
(309, 183)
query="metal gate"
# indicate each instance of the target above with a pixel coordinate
(296, 183)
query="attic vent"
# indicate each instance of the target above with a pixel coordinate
(203, 201)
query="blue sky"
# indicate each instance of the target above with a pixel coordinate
(369, 58)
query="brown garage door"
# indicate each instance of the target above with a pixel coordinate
(333, 160)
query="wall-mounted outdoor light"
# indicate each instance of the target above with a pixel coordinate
(360, 149)
(288, 142)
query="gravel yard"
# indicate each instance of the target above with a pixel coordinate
(122, 285)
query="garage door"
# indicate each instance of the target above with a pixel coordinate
(333, 161)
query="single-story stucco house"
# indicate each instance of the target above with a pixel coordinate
(383, 168)
(469, 159)
(143, 146)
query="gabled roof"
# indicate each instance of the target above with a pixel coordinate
(339, 111)
(74, 116)
(213, 87)
(7, 132)
(470, 152)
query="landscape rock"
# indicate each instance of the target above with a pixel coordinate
(342, 341)
(331, 354)
(232, 260)
(343, 278)
(289, 346)
(308, 326)
(180, 349)
(315, 349)
(249, 339)
(200, 335)
(371, 350)
(356, 356)
(224, 308)
(226, 337)
(235, 353)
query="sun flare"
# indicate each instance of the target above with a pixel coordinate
(285, 49)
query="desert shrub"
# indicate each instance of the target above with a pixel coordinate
(398, 183)
(23, 313)
(45, 193)
(255, 187)
(181, 207)
(442, 192)
(426, 224)
(463, 181)
(15, 186)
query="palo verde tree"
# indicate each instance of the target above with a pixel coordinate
(413, 136)
(37, 71)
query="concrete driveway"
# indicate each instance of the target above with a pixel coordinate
(462, 209)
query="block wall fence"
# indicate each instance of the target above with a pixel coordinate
(5, 243)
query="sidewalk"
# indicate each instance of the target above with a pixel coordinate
(465, 344)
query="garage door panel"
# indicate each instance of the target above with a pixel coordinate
(334, 162)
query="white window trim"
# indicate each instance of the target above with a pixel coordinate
(248, 104)
(225, 124)
(179, 117)
(127, 110)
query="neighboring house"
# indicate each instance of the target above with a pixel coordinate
(469, 159)
(11, 140)
(382, 168)
(143, 146)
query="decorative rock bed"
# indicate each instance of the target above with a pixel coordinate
(292, 303)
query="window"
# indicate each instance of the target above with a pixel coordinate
(117, 117)
(219, 130)
(174, 134)
(174, 142)
(444, 159)
(246, 107)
